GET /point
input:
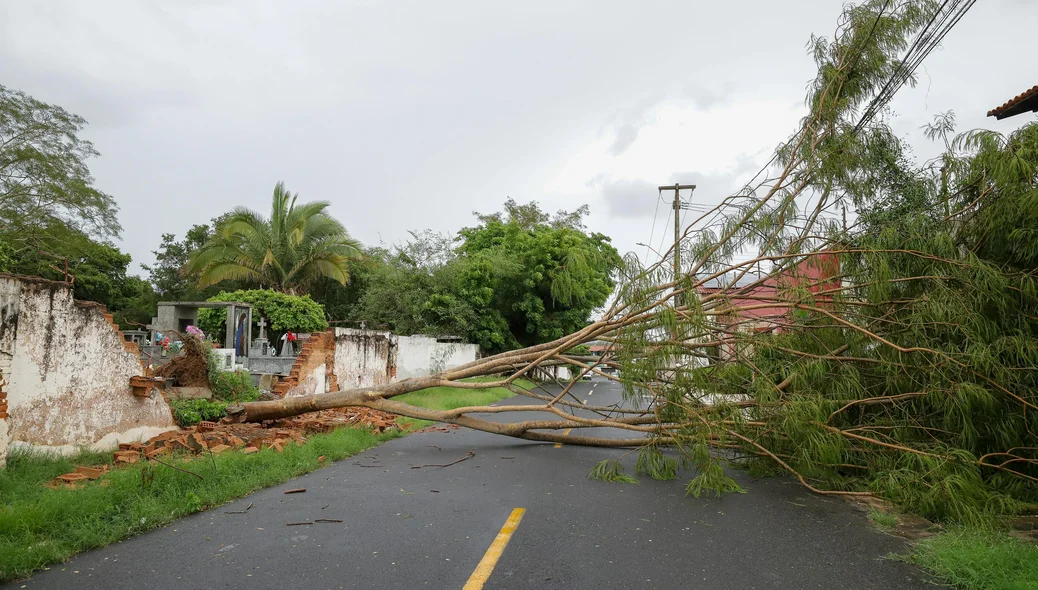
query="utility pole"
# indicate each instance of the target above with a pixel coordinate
(677, 188)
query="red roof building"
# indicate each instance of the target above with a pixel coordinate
(757, 304)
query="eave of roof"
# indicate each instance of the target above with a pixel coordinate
(1023, 102)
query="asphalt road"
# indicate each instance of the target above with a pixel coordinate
(430, 527)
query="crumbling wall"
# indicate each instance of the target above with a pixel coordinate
(8, 328)
(314, 369)
(364, 358)
(420, 356)
(66, 372)
(345, 358)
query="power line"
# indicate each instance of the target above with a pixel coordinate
(653, 232)
(663, 240)
(926, 41)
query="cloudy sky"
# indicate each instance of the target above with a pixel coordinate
(410, 115)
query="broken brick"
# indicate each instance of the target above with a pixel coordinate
(197, 443)
(156, 452)
(127, 459)
(205, 426)
(89, 472)
(216, 449)
(249, 450)
(72, 477)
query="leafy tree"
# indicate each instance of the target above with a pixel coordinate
(98, 270)
(288, 252)
(541, 277)
(284, 312)
(50, 212)
(342, 302)
(530, 216)
(520, 277)
(44, 179)
(170, 275)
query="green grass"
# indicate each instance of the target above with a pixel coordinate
(977, 559)
(449, 398)
(882, 520)
(40, 525)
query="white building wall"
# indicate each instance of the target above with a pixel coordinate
(363, 358)
(66, 372)
(421, 356)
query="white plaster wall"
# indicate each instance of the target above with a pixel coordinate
(420, 356)
(68, 384)
(314, 381)
(10, 291)
(363, 358)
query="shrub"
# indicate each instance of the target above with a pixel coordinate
(285, 312)
(188, 412)
(231, 386)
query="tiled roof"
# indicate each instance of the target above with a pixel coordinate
(1025, 101)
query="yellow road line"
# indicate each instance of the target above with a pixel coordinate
(486, 565)
(564, 433)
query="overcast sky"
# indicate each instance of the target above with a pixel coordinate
(410, 115)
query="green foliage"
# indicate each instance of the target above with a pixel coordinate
(98, 268)
(189, 412)
(288, 252)
(899, 357)
(883, 520)
(540, 276)
(610, 470)
(712, 479)
(169, 274)
(234, 386)
(284, 312)
(50, 211)
(44, 179)
(520, 277)
(978, 559)
(652, 462)
(229, 386)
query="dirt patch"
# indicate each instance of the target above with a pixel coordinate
(909, 526)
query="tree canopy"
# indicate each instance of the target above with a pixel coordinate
(51, 212)
(287, 252)
(519, 277)
(284, 312)
(169, 274)
(44, 178)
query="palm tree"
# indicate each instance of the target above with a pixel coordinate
(298, 244)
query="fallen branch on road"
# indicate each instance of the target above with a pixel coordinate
(470, 455)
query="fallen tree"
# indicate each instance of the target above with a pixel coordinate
(894, 354)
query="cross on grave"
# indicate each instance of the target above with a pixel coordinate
(262, 324)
